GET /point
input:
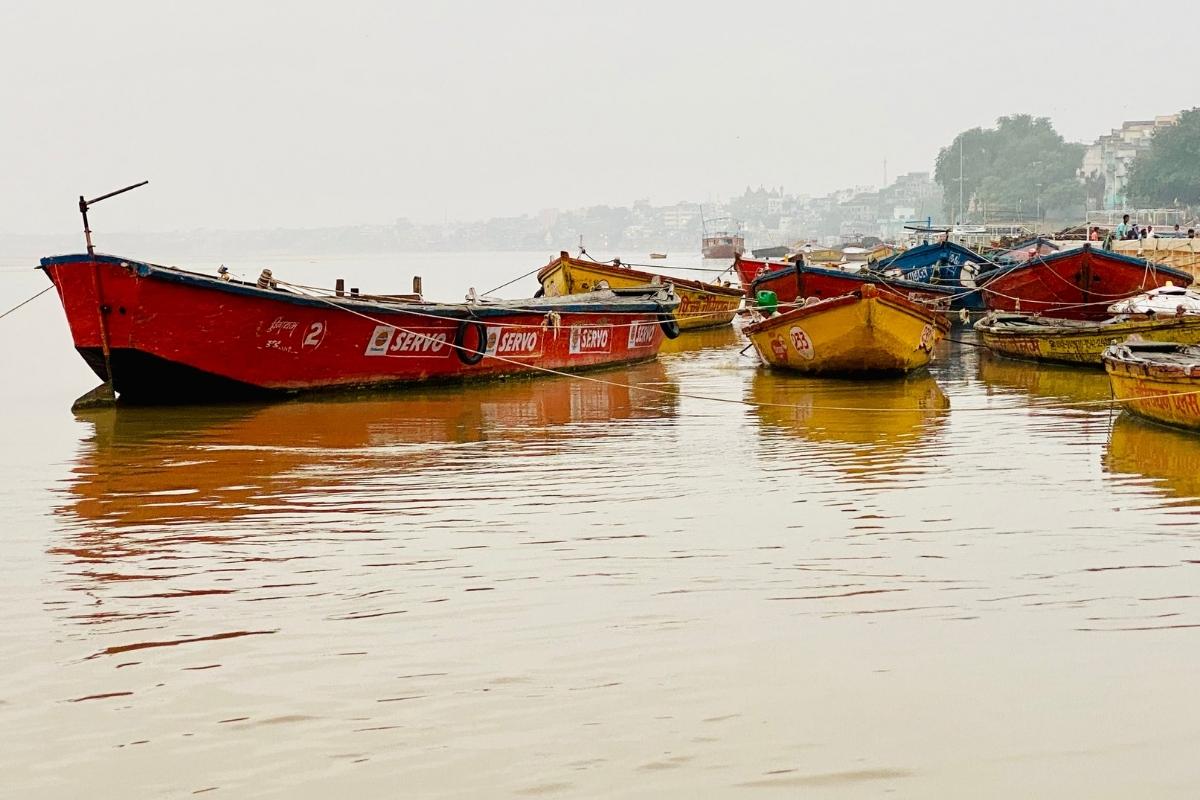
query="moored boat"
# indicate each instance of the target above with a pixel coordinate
(1079, 342)
(750, 269)
(1075, 284)
(165, 335)
(867, 332)
(724, 241)
(701, 305)
(800, 281)
(1157, 381)
(944, 265)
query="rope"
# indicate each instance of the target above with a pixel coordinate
(514, 280)
(23, 302)
(735, 401)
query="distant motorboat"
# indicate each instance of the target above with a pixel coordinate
(658, 255)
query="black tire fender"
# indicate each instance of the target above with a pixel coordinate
(669, 325)
(465, 354)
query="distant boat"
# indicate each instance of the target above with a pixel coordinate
(779, 251)
(1158, 381)
(722, 241)
(865, 333)
(658, 255)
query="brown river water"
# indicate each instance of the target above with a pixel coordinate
(568, 588)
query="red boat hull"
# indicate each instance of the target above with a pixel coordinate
(794, 283)
(1078, 284)
(748, 269)
(176, 336)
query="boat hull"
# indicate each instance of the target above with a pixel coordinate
(1076, 284)
(869, 332)
(175, 336)
(1077, 342)
(1166, 393)
(701, 305)
(799, 282)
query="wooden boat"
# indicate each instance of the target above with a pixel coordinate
(867, 332)
(721, 242)
(166, 335)
(1079, 342)
(1157, 381)
(658, 255)
(800, 281)
(1074, 284)
(1181, 254)
(701, 305)
(750, 269)
(944, 265)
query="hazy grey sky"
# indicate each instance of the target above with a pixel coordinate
(254, 114)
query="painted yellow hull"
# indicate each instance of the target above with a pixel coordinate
(871, 333)
(1182, 254)
(1158, 399)
(1158, 383)
(1081, 343)
(701, 305)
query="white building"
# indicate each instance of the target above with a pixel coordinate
(1112, 155)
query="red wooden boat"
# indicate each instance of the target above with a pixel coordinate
(748, 269)
(1075, 284)
(162, 334)
(800, 281)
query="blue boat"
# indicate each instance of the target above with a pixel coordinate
(940, 264)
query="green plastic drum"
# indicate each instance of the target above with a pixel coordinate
(767, 301)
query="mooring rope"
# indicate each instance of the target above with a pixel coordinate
(742, 402)
(23, 302)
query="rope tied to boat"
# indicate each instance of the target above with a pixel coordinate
(24, 302)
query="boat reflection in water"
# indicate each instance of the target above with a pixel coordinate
(1169, 458)
(1046, 381)
(871, 443)
(704, 339)
(164, 466)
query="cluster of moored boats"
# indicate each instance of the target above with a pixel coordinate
(162, 334)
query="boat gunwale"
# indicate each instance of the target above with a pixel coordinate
(689, 283)
(866, 276)
(459, 311)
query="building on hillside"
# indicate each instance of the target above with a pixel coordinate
(1112, 155)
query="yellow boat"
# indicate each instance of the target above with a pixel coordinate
(1182, 254)
(863, 332)
(701, 305)
(1068, 341)
(1157, 381)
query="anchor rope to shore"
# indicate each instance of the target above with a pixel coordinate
(738, 401)
(23, 302)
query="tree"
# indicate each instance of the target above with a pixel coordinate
(1019, 165)
(1168, 173)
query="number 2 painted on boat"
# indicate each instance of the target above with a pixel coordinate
(315, 335)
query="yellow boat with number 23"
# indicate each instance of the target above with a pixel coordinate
(866, 332)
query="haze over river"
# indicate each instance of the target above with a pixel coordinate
(571, 588)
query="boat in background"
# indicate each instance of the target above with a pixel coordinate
(701, 305)
(166, 335)
(658, 255)
(1157, 381)
(777, 251)
(865, 333)
(941, 264)
(750, 269)
(1078, 342)
(1181, 254)
(725, 242)
(1074, 284)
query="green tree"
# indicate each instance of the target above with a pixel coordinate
(1168, 173)
(1019, 165)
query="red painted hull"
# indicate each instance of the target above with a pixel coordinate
(750, 268)
(1078, 284)
(177, 336)
(791, 284)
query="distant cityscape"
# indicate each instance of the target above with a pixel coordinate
(766, 216)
